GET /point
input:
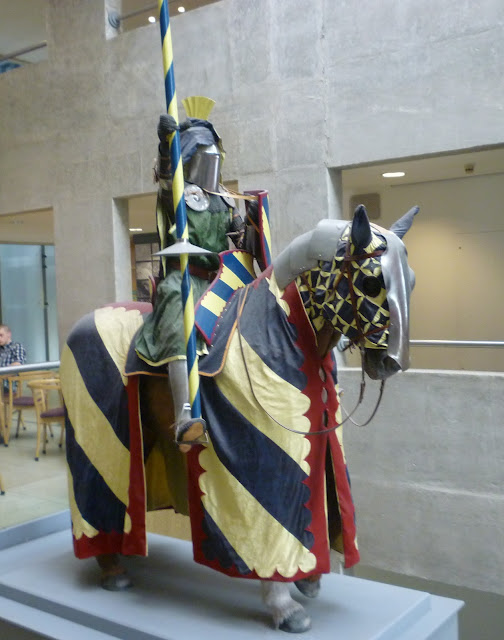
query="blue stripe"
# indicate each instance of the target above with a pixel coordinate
(238, 269)
(258, 463)
(97, 504)
(267, 248)
(206, 320)
(169, 93)
(164, 20)
(223, 290)
(217, 547)
(100, 375)
(264, 326)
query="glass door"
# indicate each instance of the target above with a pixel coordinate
(28, 299)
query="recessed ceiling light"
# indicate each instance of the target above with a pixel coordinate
(152, 19)
(136, 229)
(181, 9)
(393, 174)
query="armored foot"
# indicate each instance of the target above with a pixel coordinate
(113, 575)
(288, 615)
(192, 431)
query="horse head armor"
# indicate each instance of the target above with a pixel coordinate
(355, 276)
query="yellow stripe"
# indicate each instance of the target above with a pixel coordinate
(189, 315)
(254, 523)
(193, 382)
(266, 230)
(100, 444)
(247, 260)
(278, 397)
(278, 293)
(116, 326)
(230, 278)
(172, 107)
(213, 303)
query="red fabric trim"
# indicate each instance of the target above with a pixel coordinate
(137, 538)
(316, 458)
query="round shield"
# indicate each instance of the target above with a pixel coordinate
(195, 198)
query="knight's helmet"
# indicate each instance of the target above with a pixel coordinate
(201, 146)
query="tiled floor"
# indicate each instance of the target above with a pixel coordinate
(32, 489)
(35, 489)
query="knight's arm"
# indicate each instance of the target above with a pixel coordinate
(236, 229)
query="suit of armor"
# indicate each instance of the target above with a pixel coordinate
(211, 220)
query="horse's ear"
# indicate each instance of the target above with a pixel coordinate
(361, 229)
(401, 226)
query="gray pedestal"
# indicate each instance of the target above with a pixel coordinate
(44, 588)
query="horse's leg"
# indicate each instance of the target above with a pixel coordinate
(309, 587)
(113, 575)
(288, 615)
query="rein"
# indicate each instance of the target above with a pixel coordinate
(243, 294)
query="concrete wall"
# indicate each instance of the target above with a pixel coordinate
(455, 249)
(427, 475)
(297, 91)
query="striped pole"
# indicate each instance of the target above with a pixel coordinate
(180, 211)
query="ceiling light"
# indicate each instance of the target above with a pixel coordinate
(136, 229)
(181, 9)
(152, 19)
(393, 174)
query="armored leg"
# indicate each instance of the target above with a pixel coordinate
(188, 430)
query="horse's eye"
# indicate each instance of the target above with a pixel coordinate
(371, 286)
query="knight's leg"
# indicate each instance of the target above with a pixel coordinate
(188, 430)
(113, 575)
(288, 615)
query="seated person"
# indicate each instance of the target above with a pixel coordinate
(11, 353)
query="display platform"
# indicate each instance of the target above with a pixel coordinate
(44, 588)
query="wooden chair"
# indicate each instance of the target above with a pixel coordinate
(19, 401)
(46, 416)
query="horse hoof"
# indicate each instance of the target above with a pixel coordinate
(118, 582)
(297, 622)
(309, 588)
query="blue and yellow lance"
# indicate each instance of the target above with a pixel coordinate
(182, 248)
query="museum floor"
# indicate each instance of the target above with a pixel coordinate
(35, 489)
(32, 489)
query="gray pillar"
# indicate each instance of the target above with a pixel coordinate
(93, 266)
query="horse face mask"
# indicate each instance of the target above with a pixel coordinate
(356, 277)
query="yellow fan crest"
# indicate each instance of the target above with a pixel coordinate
(198, 107)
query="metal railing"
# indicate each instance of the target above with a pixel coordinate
(12, 56)
(18, 368)
(482, 344)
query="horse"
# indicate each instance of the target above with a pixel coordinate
(269, 495)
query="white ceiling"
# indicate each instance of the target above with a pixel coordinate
(22, 24)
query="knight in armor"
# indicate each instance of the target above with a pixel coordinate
(212, 218)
